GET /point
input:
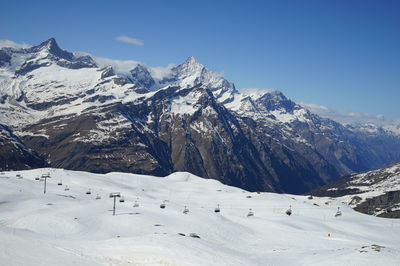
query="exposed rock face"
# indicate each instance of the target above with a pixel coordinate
(4, 58)
(141, 76)
(82, 117)
(14, 154)
(376, 192)
(47, 53)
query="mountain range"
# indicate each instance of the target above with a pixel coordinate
(67, 110)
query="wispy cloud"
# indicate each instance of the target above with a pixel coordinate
(130, 40)
(349, 118)
(8, 43)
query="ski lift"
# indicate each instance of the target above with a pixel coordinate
(185, 210)
(162, 206)
(338, 213)
(59, 183)
(37, 178)
(121, 199)
(88, 192)
(217, 210)
(289, 211)
(136, 204)
(98, 197)
(66, 188)
(251, 213)
(19, 176)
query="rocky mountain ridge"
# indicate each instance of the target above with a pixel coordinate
(375, 192)
(79, 116)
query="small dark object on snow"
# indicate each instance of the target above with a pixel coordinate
(251, 213)
(249, 197)
(194, 235)
(98, 197)
(181, 234)
(185, 210)
(122, 199)
(338, 213)
(315, 204)
(310, 197)
(162, 206)
(289, 211)
(217, 210)
(37, 178)
(59, 183)
(88, 192)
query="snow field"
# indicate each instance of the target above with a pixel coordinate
(70, 227)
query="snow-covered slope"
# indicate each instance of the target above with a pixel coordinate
(74, 228)
(375, 192)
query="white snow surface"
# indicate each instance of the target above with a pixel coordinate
(370, 188)
(73, 228)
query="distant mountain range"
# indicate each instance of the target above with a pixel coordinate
(69, 110)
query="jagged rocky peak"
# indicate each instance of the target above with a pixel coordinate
(48, 52)
(141, 76)
(107, 71)
(274, 100)
(52, 47)
(189, 67)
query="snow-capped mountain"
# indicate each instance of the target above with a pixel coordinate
(77, 115)
(375, 192)
(186, 75)
(73, 224)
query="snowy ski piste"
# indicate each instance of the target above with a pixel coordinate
(73, 223)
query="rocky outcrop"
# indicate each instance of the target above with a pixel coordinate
(375, 192)
(14, 154)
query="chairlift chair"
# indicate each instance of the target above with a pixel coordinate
(185, 210)
(121, 199)
(162, 206)
(88, 192)
(217, 210)
(136, 204)
(59, 183)
(251, 213)
(98, 197)
(289, 211)
(19, 176)
(338, 213)
(66, 188)
(37, 178)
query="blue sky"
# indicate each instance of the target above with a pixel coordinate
(343, 54)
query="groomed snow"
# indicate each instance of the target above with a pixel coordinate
(73, 228)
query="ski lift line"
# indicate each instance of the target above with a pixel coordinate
(228, 206)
